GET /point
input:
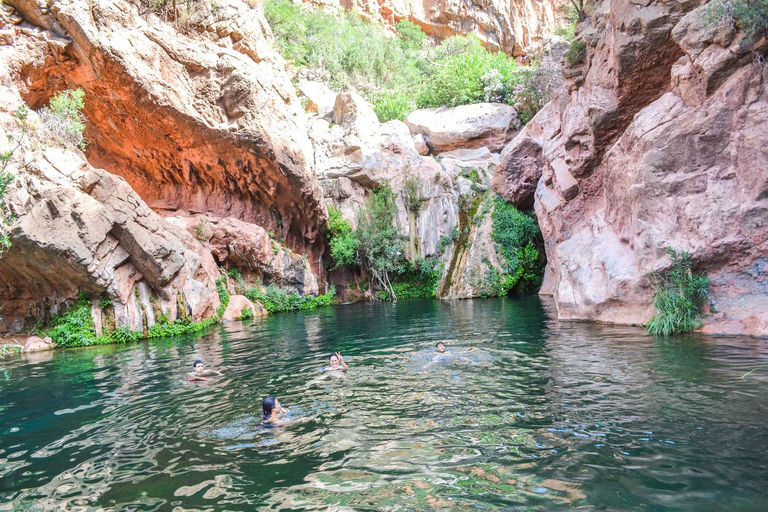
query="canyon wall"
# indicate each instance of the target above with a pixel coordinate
(197, 156)
(508, 26)
(658, 141)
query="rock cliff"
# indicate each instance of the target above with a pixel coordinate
(658, 142)
(354, 154)
(184, 119)
(508, 26)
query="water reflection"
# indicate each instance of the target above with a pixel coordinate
(527, 412)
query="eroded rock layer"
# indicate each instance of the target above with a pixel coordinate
(202, 119)
(659, 142)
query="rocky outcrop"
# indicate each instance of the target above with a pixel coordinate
(657, 144)
(490, 125)
(189, 120)
(507, 26)
(81, 229)
(355, 154)
(201, 118)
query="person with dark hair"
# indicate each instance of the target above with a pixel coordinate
(273, 411)
(199, 372)
(440, 347)
(337, 362)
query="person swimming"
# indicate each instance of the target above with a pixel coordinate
(337, 362)
(440, 347)
(199, 372)
(274, 413)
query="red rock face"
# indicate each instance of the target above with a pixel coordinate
(202, 123)
(657, 144)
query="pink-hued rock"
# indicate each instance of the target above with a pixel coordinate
(658, 145)
(238, 304)
(249, 248)
(204, 120)
(38, 344)
(491, 125)
(507, 26)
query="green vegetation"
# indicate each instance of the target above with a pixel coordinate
(576, 53)
(749, 16)
(63, 118)
(680, 297)
(515, 235)
(75, 328)
(6, 178)
(342, 241)
(380, 242)
(7, 349)
(277, 299)
(396, 75)
(223, 291)
(418, 280)
(413, 194)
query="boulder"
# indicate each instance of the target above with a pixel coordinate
(37, 344)
(320, 99)
(238, 304)
(491, 125)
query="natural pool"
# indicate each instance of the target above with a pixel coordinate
(529, 414)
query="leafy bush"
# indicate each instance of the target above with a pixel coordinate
(63, 118)
(223, 291)
(419, 280)
(380, 243)
(576, 53)
(277, 299)
(341, 240)
(749, 16)
(179, 327)
(515, 235)
(75, 328)
(680, 297)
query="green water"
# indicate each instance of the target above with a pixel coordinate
(528, 414)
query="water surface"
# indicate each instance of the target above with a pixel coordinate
(525, 413)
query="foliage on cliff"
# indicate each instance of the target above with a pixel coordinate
(680, 296)
(749, 16)
(516, 237)
(276, 299)
(398, 75)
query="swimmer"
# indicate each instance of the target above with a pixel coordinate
(337, 362)
(440, 347)
(273, 412)
(200, 373)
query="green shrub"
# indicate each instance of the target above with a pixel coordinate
(680, 296)
(63, 118)
(223, 291)
(75, 327)
(342, 241)
(380, 242)
(246, 314)
(179, 327)
(515, 235)
(576, 53)
(277, 299)
(395, 75)
(419, 280)
(749, 16)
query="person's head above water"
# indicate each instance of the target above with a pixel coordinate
(337, 362)
(334, 360)
(440, 346)
(270, 404)
(198, 366)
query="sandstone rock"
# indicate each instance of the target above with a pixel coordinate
(630, 168)
(421, 144)
(320, 99)
(505, 26)
(249, 248)
(238, 304)
(205, 120)
(491, 125)
(37, 344)
(78, 229)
